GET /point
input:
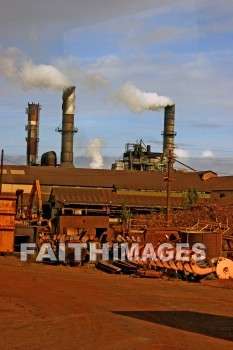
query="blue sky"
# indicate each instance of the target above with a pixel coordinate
(180, 49)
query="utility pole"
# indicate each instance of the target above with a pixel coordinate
(1, 171)
(168, 179)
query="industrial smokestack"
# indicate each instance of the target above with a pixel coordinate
(168, 133)
(67, 130)
(32, 128)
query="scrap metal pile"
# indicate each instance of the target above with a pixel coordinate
(189, 217)
(153, 258)
(163, 260)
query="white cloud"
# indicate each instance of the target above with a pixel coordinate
(207, 154)
(16, 17)
(163, 34)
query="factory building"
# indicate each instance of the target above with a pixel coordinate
(136, 181)
(97, 188)
(138, 156)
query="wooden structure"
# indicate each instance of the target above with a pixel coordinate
(7, 223)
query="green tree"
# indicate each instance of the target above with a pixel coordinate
(192, 196)
(125, 214)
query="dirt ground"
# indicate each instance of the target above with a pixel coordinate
(58, 307)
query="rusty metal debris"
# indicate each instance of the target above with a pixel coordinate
(108, 267)
(211, 225)
(126, 266)
(150, 273)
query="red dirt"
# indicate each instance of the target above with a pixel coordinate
(57, 307)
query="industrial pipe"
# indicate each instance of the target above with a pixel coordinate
(169, 132)
(67, 130)
(32, 129)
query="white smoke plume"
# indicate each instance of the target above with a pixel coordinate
(93, 151)
(207, 154)
(17, 67)
(139, 101)
(181, 153)
(86, 76)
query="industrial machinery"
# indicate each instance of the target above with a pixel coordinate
(214, 239)
(138, 156)
(19, 203)
(35, 190)
(31, 224)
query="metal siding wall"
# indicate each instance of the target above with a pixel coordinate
(7, 223)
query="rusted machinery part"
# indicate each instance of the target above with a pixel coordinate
(159, 263)
(187, 267)
(150, 273)
(197, 269)
(157, 260)
(165, 264)
(140, 262)
(186, 264)
(224, 268)
(160, 260)
(179, 265)
(141, 249)
(172, 265)
(152, 263)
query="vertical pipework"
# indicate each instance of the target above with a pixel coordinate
(32, 128)
(67, 130)
(169, 132)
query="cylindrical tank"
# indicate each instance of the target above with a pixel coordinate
(169, 132)
(68, 130)
(49, 159)
(32, 128)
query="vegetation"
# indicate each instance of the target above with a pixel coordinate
(125, 214)
(193, 196)
(190, 198)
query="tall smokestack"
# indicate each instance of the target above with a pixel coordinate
(33, 111)
(67, 130)
(168, 133)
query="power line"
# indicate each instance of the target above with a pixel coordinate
(8, 160)
(48, 172)
(119, 147)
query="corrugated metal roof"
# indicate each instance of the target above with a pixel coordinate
(107, 196)
(224, 183)
(44, 197)
(121, 179)
(102, 178)
(180, 182)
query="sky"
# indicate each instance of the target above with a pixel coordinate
(178, 49)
